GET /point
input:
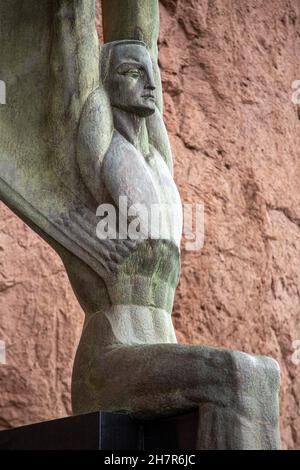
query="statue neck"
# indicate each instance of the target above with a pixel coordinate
(133, 128)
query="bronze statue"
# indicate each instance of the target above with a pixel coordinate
(75, 138)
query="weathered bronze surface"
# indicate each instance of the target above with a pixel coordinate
(75, 136)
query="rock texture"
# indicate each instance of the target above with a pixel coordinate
(40, 324)
(227, 69)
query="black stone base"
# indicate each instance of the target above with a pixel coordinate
(104, 431)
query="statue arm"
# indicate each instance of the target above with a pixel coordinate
(93, 140)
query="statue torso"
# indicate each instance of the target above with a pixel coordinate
(143, 283)
(145, 180)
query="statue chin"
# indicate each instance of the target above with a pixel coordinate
(141, 111)
(145, 111)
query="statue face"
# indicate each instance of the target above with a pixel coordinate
(131, 83)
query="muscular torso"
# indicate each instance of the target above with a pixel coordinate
(141, 286)
(144, 180)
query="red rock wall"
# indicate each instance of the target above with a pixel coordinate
(227, 68)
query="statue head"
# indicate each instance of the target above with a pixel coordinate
(127, 75)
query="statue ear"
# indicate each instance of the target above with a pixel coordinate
(93, 139)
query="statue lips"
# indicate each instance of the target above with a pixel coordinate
(149, 97)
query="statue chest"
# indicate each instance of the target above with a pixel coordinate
(143, 186)
(168, 206)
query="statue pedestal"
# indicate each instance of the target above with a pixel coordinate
(105, 431)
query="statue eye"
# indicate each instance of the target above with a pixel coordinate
(134, 73)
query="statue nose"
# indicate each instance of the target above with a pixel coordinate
(151, 85)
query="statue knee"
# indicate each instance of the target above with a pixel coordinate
(255, 381)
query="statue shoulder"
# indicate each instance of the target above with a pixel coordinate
(120, 146)
(94, 137)
(95, 127)
(121, 160)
